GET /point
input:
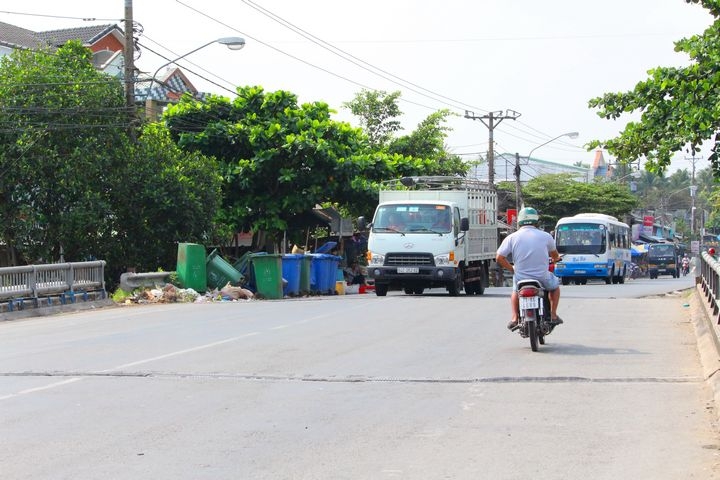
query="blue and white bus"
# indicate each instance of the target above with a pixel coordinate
(593, 246)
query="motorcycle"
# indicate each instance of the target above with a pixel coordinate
(535, 321)
(685, 267)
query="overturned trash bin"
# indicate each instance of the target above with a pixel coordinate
(267, 270)
(220, 272)
(191, 269)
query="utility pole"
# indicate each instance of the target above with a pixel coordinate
(693, 190)
(129, 54)
(492, 120)
(518, 198)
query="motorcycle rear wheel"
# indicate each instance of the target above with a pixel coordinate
(533, 334)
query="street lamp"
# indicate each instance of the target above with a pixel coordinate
(233, 43)
(635, 175)
(569, 134)
(518, 200)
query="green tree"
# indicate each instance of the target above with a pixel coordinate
(280, 159)
(61, 137)
(427, 141)
(678, 106)
(377, 112)
(559, 195)
(72, 183)
(160, 196)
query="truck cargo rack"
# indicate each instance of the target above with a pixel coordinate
(435, 183)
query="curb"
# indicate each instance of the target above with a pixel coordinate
(53, 310)
(708, 343)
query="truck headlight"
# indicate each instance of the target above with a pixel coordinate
(376, 259)
(442, 260)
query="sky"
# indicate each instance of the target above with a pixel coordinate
(543, 60)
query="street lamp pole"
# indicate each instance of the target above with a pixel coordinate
(569, 134)
(518, 192)
(233, 43)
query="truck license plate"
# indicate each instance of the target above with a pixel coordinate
(579, 272)
(529, 302)
(408, 270)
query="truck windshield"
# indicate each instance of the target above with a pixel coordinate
(661, 250)
(409, 218)
(578, 238)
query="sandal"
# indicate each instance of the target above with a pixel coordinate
(513, 325)
(556, 321)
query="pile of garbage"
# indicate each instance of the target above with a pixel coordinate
(172, 294)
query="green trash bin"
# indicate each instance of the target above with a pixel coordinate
(220, 272)
(190, 268)
(268, 275)
(305, 266)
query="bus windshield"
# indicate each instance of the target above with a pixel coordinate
(577, 238)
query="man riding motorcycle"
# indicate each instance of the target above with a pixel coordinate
(529, 248)
(685, 264)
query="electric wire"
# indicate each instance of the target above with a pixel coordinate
(311, 37)
(354, 59)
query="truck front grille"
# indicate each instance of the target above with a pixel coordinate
(402, 259)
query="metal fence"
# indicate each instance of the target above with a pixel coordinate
(710, 280)
(63, 280)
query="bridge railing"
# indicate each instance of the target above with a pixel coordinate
(35, 282)
(710, 281)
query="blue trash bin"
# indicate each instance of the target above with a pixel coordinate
(291, 273)
(333, 262)
(319, 273)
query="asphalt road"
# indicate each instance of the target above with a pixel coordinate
(361, 387)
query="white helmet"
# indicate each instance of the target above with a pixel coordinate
(528, 216)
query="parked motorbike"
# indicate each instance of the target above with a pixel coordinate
(535, 321)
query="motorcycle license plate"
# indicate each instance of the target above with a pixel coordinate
(529, 302)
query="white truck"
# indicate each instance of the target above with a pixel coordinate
(433, 232)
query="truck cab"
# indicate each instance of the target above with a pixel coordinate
(663, 260)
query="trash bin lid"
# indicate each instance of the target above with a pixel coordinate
(326, 247)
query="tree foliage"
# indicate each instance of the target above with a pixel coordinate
(377, 112)
(559, 195)
(73, 184)
(280, 159)
(679, 107)
(60, 139)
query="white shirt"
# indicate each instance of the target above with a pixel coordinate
(529, 248)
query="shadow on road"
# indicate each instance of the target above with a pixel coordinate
(574, 349)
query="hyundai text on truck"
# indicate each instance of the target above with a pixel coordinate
(433, 232)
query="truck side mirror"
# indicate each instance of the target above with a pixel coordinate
(464, 224)
(362, 223)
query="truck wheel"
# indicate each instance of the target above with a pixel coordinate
(381, 290)
(454, 289)
(565, 281)
(408, 291)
